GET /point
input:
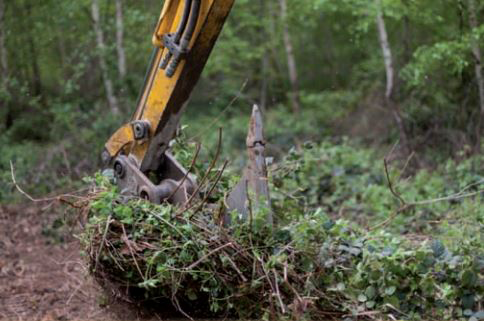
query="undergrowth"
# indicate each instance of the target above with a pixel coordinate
(351, 182)
(328, 256)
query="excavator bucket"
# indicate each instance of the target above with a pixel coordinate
(252, 192)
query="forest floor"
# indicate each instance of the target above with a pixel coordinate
(42, 277)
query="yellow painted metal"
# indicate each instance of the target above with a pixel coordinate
(122, 139)
(158, 34)
(159, 89)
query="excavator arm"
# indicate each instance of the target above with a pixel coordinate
(183, 39)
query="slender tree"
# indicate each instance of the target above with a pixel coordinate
(476, 50)
(108, 85)
(34, 55)
(120, 39)
(291, 60)
(385, 47)
(3, 49)
(390, 74)
(4, 69)
(264, 63)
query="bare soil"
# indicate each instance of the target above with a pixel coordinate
(42, 274)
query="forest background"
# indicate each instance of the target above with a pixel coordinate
(377, 72)
(373, 110)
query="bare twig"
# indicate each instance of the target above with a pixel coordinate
(217, 179)
(409, 158)
(187, 173)
(237, 269)
(449, 198)
(26, 194)
(390, 185)
(278, 293)
(59, 198)
(392, 216)
(126, 240)
(405, 206)
(106, 229)
(187, 205)
(194, 264)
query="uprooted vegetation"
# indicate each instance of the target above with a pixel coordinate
(343, 244)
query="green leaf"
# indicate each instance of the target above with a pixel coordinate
(393, 300)
(362, 298)
(341, 286)
(370, 304)
(468, 301)
(192, 296)
(438, 248)
(390, 290)
(370, 292)
(468, 278)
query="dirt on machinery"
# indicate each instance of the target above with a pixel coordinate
(42, 273)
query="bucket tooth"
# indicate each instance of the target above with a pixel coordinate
(254, 182)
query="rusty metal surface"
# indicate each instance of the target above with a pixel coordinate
(175, 185)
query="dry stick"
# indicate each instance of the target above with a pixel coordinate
(187, 173)
(292, 288)
(24, 193)
(244, 279)
(278, 293)
(404, 206)
(472, 185)
(390, 185)
(106, 229)
(191, 266)
(187, 205)
(48, 199)
(71, 204)
(409, 158)
(217, 180)
(391, 217)
(175, 302)
(126, 240)
(266, 275)
(115, 260)
(169, 224)
(448, 198)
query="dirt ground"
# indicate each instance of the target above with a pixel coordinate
(42, 275)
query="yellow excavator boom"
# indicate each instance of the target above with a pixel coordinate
(183, 39)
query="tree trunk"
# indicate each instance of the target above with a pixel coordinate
(273, 14)
(3, 49)
(476, 50)
(108, 85)
(263, 87)
(264, 38)
(291, 61)
(7, 123)
(385, 47)
(407, 35)
(37, 79)
(389, 70)
(119, 39)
